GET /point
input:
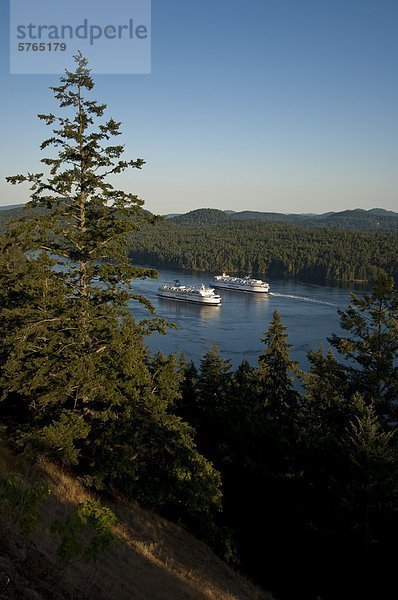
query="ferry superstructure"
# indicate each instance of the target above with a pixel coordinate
(199, 295)
(241, 284)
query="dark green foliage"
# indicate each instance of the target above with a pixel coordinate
(213, 382)
(245, 430)
(179, 481)
(77, 381)
(86, 534)
(372, 344)
(348, 454)
(325, 411)
(77, 273)
(346, 499)
(210, 403)
(371, 454)
(309, 477)
(148, 452)
(58, 440)
(275, 373)
(20, 500)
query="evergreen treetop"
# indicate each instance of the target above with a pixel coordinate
(80, 218)
(371, 344)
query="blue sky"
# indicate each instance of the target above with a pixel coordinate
(277, 105)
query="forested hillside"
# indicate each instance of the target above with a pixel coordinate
(212, 241)
(375, 219)
(261, 243)
(8, 214)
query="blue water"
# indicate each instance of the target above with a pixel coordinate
(308, 310)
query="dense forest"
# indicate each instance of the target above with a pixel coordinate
(296, 486)
(208, 240)
(310, 490)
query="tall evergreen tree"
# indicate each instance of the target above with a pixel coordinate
(372, 344)
(276, 372)
(188, 405)
(372, 468)
(325, 406)
(260, 492)
(347, 495)
(75, 237)
(77, 380)
(212, 401)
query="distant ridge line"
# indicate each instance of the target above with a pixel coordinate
(374, 219)
(11, 206)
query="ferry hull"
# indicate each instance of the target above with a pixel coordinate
(203, 301)
(238, 288)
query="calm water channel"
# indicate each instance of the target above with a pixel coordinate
(308, 310)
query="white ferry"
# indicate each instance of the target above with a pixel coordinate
(242, 284)
(200, 295)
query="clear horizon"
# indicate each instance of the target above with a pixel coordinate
(268, 106)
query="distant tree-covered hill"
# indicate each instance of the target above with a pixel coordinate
(375, 219)
(8, 214)
(202, 216)
(215, 242)
(10, 206)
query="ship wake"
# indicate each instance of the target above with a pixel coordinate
(303, 299)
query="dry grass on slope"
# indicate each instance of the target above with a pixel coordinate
(152, 559)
